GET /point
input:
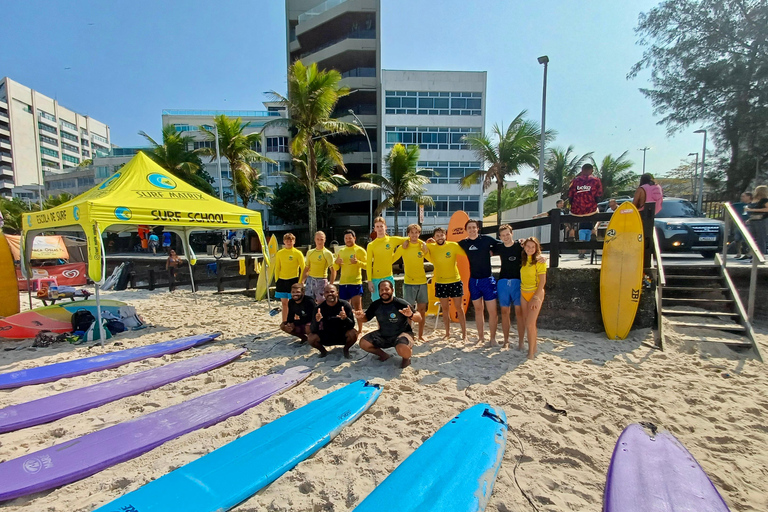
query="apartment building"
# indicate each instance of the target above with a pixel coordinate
(39, 136)
(436, 110)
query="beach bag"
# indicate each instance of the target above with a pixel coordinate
(82, 319)
(94, 334)
(115, 326)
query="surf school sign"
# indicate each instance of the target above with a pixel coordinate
(165, 216)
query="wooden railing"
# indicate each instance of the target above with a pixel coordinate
(732, 218)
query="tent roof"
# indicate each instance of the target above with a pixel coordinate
(142, 192)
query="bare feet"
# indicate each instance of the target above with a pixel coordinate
(323, 353)
(347, 354)
(521, 346)
(384, 357)
(505, 345)
(421, 339)
(406, 363)
(494, 343)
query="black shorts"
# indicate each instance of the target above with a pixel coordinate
(377, 340)
(448, 290)
(332, 338)
(284, 285)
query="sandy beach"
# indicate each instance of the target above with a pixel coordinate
(712, 398)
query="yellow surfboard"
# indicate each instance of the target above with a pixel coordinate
(456, 232)
(621, 274)
(433, 308)
(266, 271)
(9, 299)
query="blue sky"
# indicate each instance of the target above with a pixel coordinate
(123, 62)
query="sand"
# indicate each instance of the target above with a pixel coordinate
(713, 399)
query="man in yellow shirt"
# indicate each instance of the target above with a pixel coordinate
(380, 253)
(319, 261)
(350, 262)
(414, 252)
(448, 285)
(288, 269)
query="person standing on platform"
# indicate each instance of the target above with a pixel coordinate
(584, 193)
(350, 263)
(333, 323)
(288, 270)
(380, 251)
(648, 192)
(154, 241)
(414, 252)
(448, 285)
(319, 262)
(482, 285)
(166, 241)
(758, 217)
(301, 309)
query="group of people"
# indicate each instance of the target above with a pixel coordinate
(317, 311)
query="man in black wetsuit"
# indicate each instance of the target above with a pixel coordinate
(333, 323)
(300, 309)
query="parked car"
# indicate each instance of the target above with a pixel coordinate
(680, 227)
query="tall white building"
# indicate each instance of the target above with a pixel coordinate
(274, 145)
(436, 110)
(37, 136)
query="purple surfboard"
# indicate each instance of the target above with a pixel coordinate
(56, 371)
(655, 473)
(75, 401)
(86, 455)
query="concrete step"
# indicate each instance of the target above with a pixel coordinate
(695, 289)
(698, 301)
(688, 276)
(720, 327)
(698, 313)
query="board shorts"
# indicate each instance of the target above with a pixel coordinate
(375, 293)
(315, 288)
(585, 235)
(482, 288)
(377, 340)
(299, 329)
(332, 338)
(508, 291)
(283, 287)
(449, 290)
(347, 291)
(415, 293)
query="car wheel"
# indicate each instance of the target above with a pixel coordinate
(709, 254)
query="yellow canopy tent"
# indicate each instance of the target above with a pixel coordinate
(141, 193)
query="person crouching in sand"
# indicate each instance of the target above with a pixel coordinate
(533, 277)
(394, 316)
(333, 323)
(300, 310)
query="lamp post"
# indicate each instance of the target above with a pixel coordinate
(218, 160)
(370, 150)
(644, 150)
(701, 176)
(540, 204)
(695, 170)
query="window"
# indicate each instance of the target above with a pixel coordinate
(69, 136)
(86, 153)
(85, 142)
(204, 144)
(67, 124)
(70, 147)
(70, 159)
(49, 152)
(274, 170)
(46, 115)
(277, 144)
(99, 138)
(85, 182)
(434, 103)
(83, 132)
(46, 128)
(449, 172)
(445, 206)
(428, 138)
(102, 172)
(52, 165)
(185, 128)
(26, 108)
(49, 140)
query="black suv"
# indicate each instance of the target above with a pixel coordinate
(680, 227)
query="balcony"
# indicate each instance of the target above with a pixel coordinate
(229, 113)
(355, 34)
(329, 12)
(320, 9)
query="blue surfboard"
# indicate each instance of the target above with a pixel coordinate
(56, 371)
(454, 470)
(231, 474)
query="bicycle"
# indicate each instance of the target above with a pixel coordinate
(234, 248)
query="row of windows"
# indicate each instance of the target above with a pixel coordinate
(49, 152)
(71, 159)
(84, 142)
(429, 138)
(275, 169)
(99, 138)
(198, 144)
(445, 206)
(70, 183)
(49, 140)
(70, 147)
(435, 94)
(277, 144)
(86, 153)
(46, 115)
(67, 124)
(434, 106)
(44, 127)
(52, 165)
(449, 172)
(69, 136)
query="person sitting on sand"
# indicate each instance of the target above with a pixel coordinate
(533, 277)
(394, 316)
(289, 266)
(414, 252)
(333, 323)
(300, 310)
(448, 285)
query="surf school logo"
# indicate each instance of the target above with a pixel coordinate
(161, 181)
(76, 212)
(71, 274)
(109, 180)
(35, 464)
(611, 232)
(387, 246)
(448, 254)
(123, 213)
(419, 254)
(244, 220)
(392, 317)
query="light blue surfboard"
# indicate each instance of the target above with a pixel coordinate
(233, 473)
(454, 470)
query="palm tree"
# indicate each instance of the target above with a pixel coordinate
(54, 201)
(174, 156)
(404, 180)
(560, 168)
(13, 211)
(615, 174)
(237, 147)
(258, 192)
(327, 181)
(514, 150)
(312, 97)
(510, 198)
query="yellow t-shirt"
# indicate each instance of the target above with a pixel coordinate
(380, 253)
(443, 257)
(529, 276)
(319, 262)
(413, 262)
(290, 263)
(351, 274)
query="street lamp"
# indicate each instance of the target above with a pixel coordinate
(695, 170)
(218, 160)
(701, 176)
(370, 149)
(644, 150)
(540, 205)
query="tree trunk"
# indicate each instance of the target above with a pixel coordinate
(397, 214)
(500, 187)
(311, 192)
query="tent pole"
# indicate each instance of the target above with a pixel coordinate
(29, 292)
(98, 316)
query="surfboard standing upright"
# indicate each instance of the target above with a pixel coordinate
(457, 232)
(9, 299)
(621, 274)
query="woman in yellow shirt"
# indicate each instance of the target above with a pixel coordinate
(533, 277)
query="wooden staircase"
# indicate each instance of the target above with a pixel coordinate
(709, 290)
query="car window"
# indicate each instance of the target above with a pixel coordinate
(677, 209)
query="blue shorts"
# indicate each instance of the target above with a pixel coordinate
(509, 292)
(375, 293)
(347, 291)
(585, 235)
(482, 288)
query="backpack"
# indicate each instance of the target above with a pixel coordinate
(82, 320)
